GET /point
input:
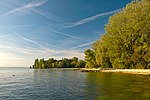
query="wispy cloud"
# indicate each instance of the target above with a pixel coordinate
(29, 40)
(89, 19)
(24, 7)
(25, 55)
(9, 56)
(36, 3)
(69, 54)
(43, 52)
(71, 36)
(17, 26)
(31, 7)
(47, 15)
(27, 50)
(82, 45)
(40, 44)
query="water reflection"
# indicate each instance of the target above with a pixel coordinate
(56, 84)
(111, 86)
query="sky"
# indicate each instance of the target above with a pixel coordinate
(31, 29)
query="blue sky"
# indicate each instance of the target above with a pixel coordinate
(32, 29)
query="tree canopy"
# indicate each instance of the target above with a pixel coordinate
(126, 43)
(64, 63)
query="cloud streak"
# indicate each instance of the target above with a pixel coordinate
(92, 18)
(65, 34)
(40, 44)
(43, 52)
(20, 26)
(31, 7)
(24, 7)
(82, 45)
(27, 50)
(7, 59)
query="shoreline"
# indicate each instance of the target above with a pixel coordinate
(127, 71)
(130, 71)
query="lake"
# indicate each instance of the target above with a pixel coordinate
(68, 84)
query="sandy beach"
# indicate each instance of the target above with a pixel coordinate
(129, 71)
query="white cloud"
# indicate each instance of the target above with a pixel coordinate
(25, 56)
(31, 7)
(92, 18)
(82, 45)
(65, 34)
(24, 7)
(40, 44)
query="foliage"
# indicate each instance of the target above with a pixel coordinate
(90, 58)
(80, 64)
(64, 63)
(126, 43)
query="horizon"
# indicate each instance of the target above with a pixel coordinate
(51, 28)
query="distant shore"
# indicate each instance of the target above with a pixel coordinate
(129, 71)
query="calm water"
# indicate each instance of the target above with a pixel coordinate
(65, 84)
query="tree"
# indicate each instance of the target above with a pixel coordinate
(90, 58)
(61, 64)
(126, 43)
(41, 63)
(74, 61)
(80, 64)
(66, 62)
(128, 32)
(36, 64)
(49, 62)
(101, 53)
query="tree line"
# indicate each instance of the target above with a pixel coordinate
(64, 63)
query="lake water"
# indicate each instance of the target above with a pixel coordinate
(66, 84)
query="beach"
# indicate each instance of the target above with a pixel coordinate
(129, 71)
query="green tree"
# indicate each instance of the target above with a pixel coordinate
(50, 62)
(41, 63)
(128, 32)
(36, 64)
(61, 64)
(126, 43)
(80, 64)
(101, 53)
(74, 61)
(90, 58)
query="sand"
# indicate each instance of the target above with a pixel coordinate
(130, 71)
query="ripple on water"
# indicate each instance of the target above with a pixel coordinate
(63, 84)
